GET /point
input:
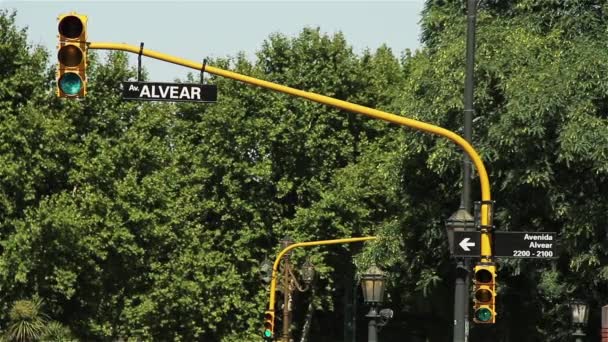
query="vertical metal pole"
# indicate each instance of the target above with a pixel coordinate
(460, 304)
(354, 319)
(286, 242)
(462, 282)
(579, 335)
(349, 294)
(468, 101)
(372, 332)
(286, 298)
(605, 323)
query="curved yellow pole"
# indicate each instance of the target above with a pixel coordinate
(275, 267)
(374, 113)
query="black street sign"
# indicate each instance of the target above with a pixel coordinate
(467, 244)
(525, 244)
(174, 92)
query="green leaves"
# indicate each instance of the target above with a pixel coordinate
(149, 220)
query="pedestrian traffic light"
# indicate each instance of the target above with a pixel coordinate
(72, 55)
(485, 293)
(268, 333)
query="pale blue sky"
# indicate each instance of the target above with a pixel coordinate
(203, 28)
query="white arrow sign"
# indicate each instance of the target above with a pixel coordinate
(465, 244)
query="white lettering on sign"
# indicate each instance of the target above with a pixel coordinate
(184, 94)
(545, 237)
(540, 245)
(153, 91)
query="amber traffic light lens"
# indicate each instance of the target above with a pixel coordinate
(483, 295)
(70, 55)
(483, 276)
(71, 27)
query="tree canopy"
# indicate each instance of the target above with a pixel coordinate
(150, 220)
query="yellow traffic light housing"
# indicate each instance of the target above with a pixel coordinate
(485, 293)
(72, 55)
(268, 333)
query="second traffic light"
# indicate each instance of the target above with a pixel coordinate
(485, 293)
(72, 55)
(268, 333)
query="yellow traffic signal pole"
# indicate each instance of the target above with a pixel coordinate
(486, 249)
(485, 207)
(268, 333)
(275, 267)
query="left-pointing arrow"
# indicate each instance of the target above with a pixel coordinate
(465, 244)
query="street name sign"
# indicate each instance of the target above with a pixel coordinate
(173, 92)
(467, 244)
(525, 244)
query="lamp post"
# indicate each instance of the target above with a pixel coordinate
(266, 271)
(580, 316)
(285, 242)
(373, 282)
(268, 328)
(291, 283)
(460, 220)
(461, 285)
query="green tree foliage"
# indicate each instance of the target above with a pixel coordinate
(540, 98)
(150, 220)
(27, 321)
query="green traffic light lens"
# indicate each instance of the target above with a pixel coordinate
(71, 27)
(70, 84)
(483, 314)
(267, 333)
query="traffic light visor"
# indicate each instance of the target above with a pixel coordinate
(71, 27)
(70, 55)
(70, 84)
(483, 276)
(483, 314)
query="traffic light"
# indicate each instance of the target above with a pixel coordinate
(268, 333)
(485, 293)
(72, 55)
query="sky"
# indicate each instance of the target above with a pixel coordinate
(208, 29)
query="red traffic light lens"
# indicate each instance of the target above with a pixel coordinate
(483, 276)
(71, 27)
(70, 55)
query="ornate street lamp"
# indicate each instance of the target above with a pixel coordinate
(580, 316)
(266, 271)
(373, 283)
(291, 283)
(308, 272)
(460, 221)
